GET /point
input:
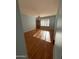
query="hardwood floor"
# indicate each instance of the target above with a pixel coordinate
(39, 44)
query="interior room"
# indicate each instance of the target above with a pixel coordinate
(38, 29)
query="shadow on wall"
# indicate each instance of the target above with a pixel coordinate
(20, 46)
(59, 50)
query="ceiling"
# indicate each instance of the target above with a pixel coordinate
(38, 7)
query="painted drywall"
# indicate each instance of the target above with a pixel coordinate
(58, 37)
(28, 22)
(20, 46)
(58, 46)
(51, 19)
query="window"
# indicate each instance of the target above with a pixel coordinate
(44, 22)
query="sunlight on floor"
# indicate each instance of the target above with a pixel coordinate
(43, 35)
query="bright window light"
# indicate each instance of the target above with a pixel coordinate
(44, 22)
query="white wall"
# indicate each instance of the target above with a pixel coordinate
(52, 21)
(58, 38)
(20, 43)
(28, 22)
(58, 45)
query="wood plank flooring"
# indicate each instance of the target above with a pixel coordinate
(39, 44)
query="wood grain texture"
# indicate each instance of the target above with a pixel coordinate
(39, 44)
